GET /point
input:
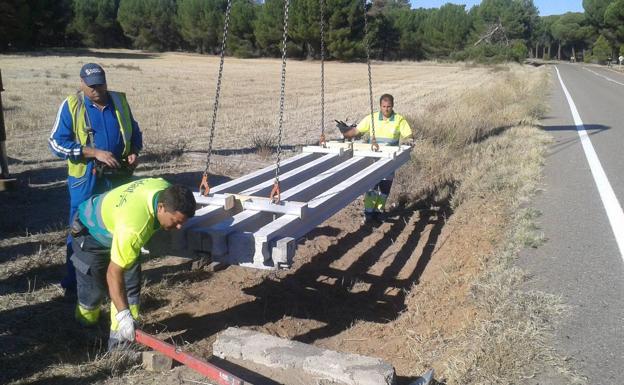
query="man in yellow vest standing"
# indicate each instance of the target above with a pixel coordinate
(108, 232)
(390, 129)
(97, 135)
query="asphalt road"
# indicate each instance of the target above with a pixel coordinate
(581, 260)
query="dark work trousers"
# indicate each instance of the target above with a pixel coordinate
(91, 260)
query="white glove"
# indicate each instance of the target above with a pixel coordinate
(126, 325)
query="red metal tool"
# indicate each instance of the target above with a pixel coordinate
(202, 367)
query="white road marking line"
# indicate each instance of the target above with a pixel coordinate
(602, 76)
(609, 200)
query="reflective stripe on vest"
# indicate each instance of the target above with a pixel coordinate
(91, 216)
(77, 110)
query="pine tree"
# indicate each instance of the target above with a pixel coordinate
(150, 24)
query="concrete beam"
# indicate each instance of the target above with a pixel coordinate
(322, 364)
(268, 173)
(226, 250)
(256, 215)
(316, 187)
(320, 209)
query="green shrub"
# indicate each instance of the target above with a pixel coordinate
(602, 50)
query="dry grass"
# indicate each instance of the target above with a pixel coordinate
(477, 152)
(172, 96)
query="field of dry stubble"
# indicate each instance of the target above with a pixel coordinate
(435, 286)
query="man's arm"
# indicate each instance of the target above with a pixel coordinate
(351, 133)
(105, 157)
(117, 292)
(116, 286)
(406, 134)
(136, 142)
(362, 128)
(62, 141)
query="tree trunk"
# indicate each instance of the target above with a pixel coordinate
(574, 53)
(559, 51)
(537, 50)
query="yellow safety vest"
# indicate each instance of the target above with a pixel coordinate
(77, 109)
(124, 218)
(387, 131)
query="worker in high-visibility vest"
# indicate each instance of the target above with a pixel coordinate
(97, 135)
(390, 129)
(108, 232)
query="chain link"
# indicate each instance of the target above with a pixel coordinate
(218, 90)
(322, 70)
(282, 93)
(370, 77)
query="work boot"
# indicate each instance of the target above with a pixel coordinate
(372, 219)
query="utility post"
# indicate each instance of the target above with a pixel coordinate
(5, 181)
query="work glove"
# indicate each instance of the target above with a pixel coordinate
(342, 126)
(126, 325)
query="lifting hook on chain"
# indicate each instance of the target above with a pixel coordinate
(204, 187)
(323, 141)
(374, 144)
(275, 194)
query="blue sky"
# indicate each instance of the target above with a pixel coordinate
(546, 7)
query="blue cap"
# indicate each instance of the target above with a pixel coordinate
(92, 74)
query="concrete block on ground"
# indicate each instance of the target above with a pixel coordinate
(279, 353)
(156, 362)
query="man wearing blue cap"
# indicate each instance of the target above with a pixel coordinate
(97, 135)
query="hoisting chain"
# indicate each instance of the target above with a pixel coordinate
(323, 141)
(374, 145)
(204, 186)
(274, 196)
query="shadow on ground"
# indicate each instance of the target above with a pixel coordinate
(561, 145)
(330, 301)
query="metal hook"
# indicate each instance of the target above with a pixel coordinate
(204, 187)
(323, 141)
(374, 145)
(275, 194)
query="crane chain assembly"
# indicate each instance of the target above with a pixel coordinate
(274, 196)
(204, 186)
(373, 140)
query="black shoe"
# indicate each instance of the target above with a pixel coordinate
(372, 219)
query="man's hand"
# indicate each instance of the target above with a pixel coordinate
(105, 157)
(342, 126)
(348, 131)
(126, 325)
(133, 160)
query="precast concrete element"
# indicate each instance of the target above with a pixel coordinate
(156, 362)
(237, 224)
(279, 353)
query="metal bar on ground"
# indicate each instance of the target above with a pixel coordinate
(220, 376)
